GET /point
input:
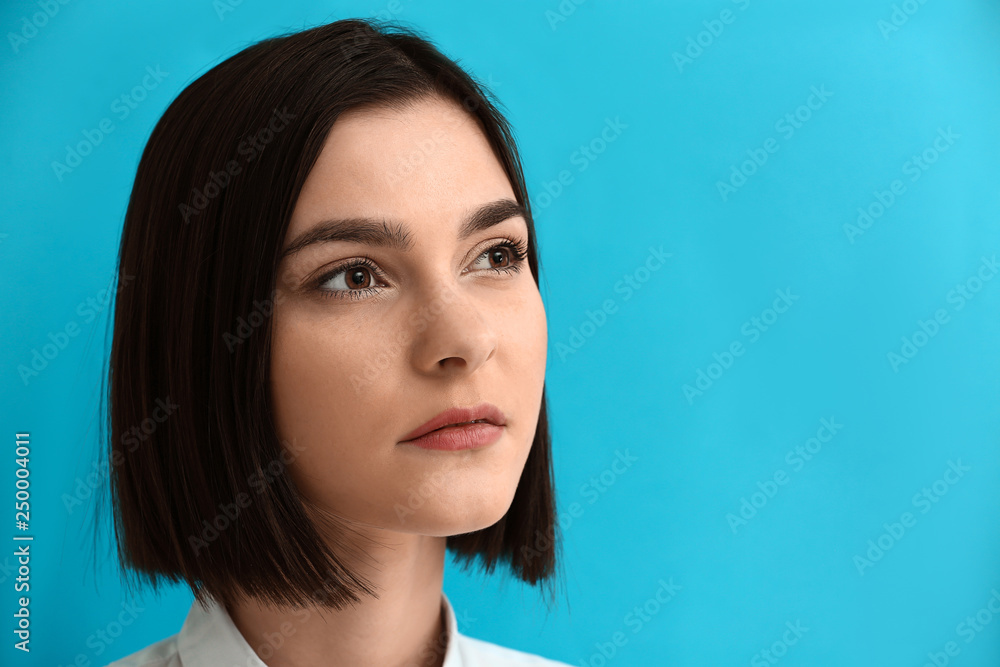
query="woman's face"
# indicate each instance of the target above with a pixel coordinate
(365, 351)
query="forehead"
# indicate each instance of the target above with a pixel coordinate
(428, 163)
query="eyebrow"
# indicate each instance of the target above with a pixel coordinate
(392, 234)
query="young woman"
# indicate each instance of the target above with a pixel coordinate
(333, 287)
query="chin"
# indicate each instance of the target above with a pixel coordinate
(454, 517)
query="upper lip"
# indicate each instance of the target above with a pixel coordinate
(487, 411)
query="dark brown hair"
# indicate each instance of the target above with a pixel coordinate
(190, 427)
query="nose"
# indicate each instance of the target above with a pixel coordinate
(455, 333)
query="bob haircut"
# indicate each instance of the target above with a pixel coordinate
(199, 487)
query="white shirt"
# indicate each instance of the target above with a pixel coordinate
(211, 639)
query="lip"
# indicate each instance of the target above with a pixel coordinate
(440, 432)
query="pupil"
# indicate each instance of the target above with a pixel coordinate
(358, 277)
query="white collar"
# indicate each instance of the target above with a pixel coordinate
(211, 639)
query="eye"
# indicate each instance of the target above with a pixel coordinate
(357, 278)
(353, 280)
(504, 257)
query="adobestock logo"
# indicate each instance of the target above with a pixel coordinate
(249, 149)
(787, 126)
(796, 458)
(223, 7)
(779, 649)
(29, 28)
(562, 12)
(104, 637)
(959, 296)
(131, 440)
(885, 199)
(122, 107)
(582, 157)
(637, 619)
(418, 496)
(415, 158)
(59, 340)
(968, 629)
(257, 317)
(629, 284)
(714, 28)
(229, 513)
(593, 490)
(899, 17)
(923, 500)
(401, 339)
(753, 329)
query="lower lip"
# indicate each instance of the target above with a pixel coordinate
(455, 438)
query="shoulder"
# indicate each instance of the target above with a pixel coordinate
(480, 653)
(159, 654)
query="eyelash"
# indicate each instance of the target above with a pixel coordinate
(518, 252)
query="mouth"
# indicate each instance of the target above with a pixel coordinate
(474, 421)
(455, 437)
(460, 418)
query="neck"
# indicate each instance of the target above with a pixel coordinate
(404, 626)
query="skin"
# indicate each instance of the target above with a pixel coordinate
(487, 342)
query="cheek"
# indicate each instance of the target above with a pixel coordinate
(529, 335)
(323, 402)
(526, 343)
(326, 372)
(305, 370)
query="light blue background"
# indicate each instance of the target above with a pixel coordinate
(622, 389)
